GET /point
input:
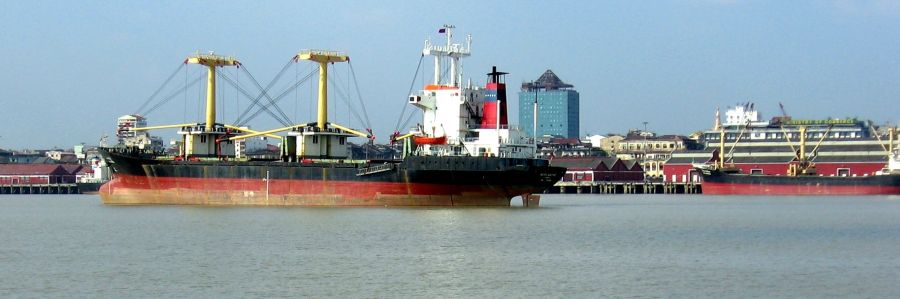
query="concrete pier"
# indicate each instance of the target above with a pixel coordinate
(40, 189)
(625, 188)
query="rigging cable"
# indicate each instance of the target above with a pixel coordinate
(172, 96)
(359, 96)
(158, 90)
(254, 101)
(265, 91)
(273, 102)
(296, 92)
(200, 101)
(247, 94)
(278, 98)
(184, 111)
(411, 85)
(343, 97)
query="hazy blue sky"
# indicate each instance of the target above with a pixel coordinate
(72, 67)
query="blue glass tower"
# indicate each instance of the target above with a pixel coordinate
(557, 111)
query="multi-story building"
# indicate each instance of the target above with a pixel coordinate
(566, 147)
(652, 151)
(126, 123)
(140, 139)
(557, 107)
(744, 123)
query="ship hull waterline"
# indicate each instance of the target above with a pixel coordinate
(717, 183)
(137, 190)
(413, 181)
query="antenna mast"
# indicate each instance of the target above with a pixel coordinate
(454, 51)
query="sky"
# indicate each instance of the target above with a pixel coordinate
(72, 67)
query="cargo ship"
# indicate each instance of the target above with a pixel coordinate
(801, 177)
(851, 147)
(463, 153)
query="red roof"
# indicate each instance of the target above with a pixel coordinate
(32, 169)
(73, 168)
(595, 163)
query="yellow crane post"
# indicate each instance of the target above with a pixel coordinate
(323, 58)
(211, 61)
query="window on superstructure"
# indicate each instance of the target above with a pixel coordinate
(843, 172)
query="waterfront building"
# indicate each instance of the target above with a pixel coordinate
(124, 125)
(838, 147)
(599, 169)
(594, 140)
(566, 147)
(4, 156)
(652, 151)
(39, 174)
(140, 139)
(744, 122)
(557, 107)
(61, 156)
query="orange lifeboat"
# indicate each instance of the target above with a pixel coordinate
(430, 140)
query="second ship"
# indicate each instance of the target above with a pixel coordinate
(801, 177)
(463, 153)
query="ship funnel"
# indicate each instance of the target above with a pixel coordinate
(494, 106)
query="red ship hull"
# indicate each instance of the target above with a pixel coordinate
(142, 190)
(774, 189)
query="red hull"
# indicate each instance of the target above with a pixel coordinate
(713, 188)
(126, 189)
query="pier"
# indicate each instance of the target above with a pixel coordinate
(625, 188)
(40, 189)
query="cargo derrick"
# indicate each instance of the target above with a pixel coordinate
(321, 139)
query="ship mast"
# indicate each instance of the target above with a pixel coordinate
(454, 51)
(721, 147)
(211, 61)
(323, 58)
(802, 145)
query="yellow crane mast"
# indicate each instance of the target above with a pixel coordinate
(323, 58)
(211, 61)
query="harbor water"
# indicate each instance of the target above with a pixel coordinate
(572, 246)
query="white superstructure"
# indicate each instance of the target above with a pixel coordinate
(454, 116)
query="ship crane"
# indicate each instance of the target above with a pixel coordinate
(212, 139)
(211, 61)
(804, 164)
(320, 139)
(205, 139)
(784, 117)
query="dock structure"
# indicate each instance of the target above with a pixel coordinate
(603, 187)
(40, 189)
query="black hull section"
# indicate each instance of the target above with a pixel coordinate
(419, 178)
(719, 182)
